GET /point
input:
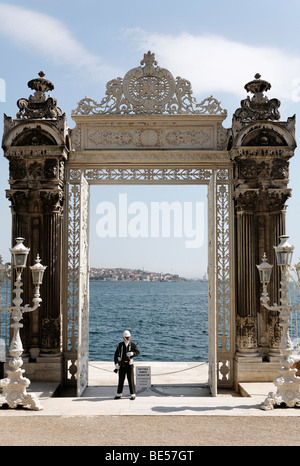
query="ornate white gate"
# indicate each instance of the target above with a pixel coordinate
(124, 140)
(76, 295)
(212, 291)
(83, 298)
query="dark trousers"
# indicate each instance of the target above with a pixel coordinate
(124, 371)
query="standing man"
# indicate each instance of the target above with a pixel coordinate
(124, 354)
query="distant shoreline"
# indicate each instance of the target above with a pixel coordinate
(92, 279)
(137, 275)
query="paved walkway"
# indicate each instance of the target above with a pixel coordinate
(174, 411)
(173, 391)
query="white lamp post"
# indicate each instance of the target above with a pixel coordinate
(15, 385)
(288, 385)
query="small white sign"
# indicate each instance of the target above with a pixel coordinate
(143, 377)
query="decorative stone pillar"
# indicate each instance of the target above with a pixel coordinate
(261, 147)
(36, 145)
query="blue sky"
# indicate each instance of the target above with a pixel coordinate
(217, 45)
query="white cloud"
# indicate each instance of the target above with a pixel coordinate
(214, 64)
(50, 38)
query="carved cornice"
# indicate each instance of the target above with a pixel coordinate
(259, 152)
(151, 157)
(32, 152)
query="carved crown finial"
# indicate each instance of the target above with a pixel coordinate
(40, 84)
(258, 85)
(259, 107)
(39, 105)
(149, 59)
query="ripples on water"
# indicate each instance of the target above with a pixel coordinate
(167, 320)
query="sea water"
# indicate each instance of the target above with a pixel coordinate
(167, 320)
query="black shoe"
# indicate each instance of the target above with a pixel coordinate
(118, 397)
(132, 397)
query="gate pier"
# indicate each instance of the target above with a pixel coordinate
(36, 145)
(261, 148)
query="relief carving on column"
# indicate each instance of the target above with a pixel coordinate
(246, 200)
(17, 169)
(246, 335)
(256, 200)
(52, 201)
(19, 200)
(35, 170)
(50, 169)
(50, 340)
(23, 169)
(274, 332)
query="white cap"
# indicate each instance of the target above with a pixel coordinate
(126, 333)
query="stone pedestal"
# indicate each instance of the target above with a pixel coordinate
(253, 371)
(42, 369)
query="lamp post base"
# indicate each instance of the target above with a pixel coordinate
(288, 393)
(14, 391)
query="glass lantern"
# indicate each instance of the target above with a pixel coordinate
(284, 252)
(265, 270)
(19, 254)
(37, 271)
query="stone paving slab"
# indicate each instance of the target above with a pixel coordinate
(174, 391)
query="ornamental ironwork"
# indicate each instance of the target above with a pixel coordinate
(149, 89)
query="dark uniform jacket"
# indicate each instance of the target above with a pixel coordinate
(120, 353)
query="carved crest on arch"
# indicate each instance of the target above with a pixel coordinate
(149, 89)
